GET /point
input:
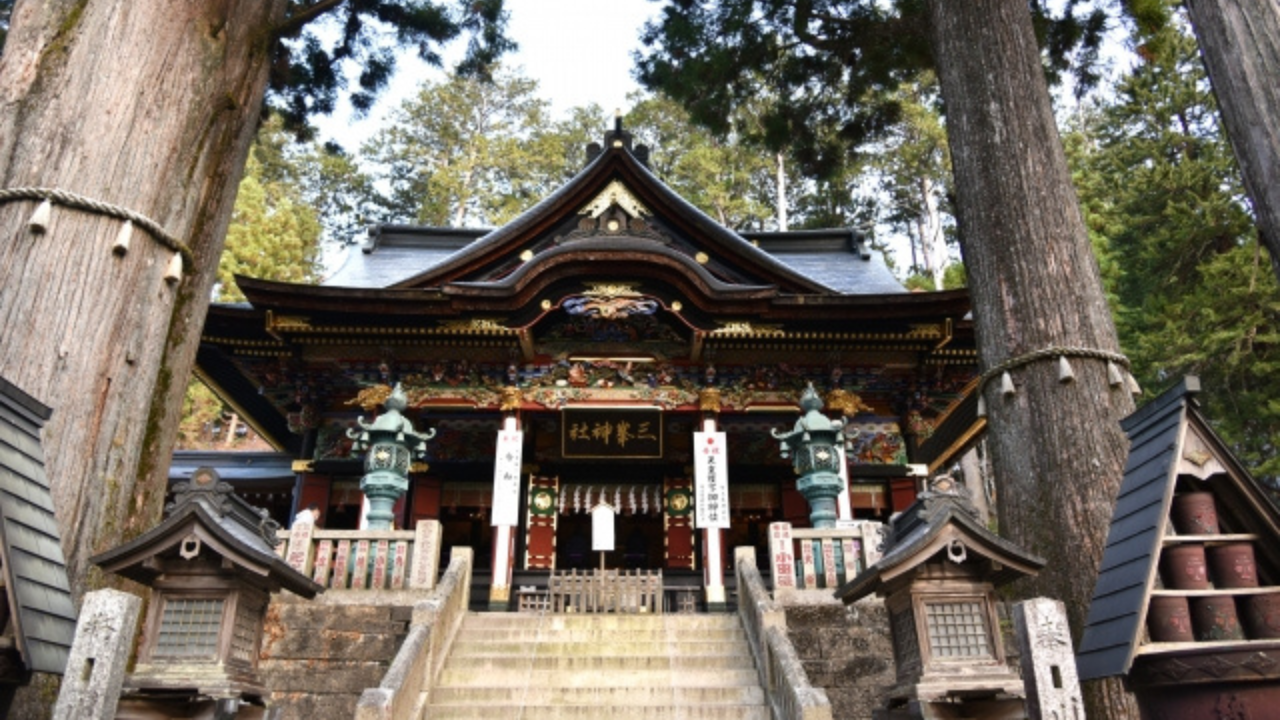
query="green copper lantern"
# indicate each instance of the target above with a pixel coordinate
(813, 443)
(392, 445)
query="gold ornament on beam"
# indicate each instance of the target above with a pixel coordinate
(371, 398)
(849, 404)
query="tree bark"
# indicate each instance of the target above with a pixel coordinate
(150, 107)
(1057, 449)
(1240, 44)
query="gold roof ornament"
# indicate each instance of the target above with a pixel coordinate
(615, 193)
(512, 399)
(709, 400)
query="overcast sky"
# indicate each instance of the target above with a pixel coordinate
(579, 51)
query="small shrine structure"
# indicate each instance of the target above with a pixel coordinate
(1187, 604)
(938, 578)
(212, 566)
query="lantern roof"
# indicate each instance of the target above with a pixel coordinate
(207, 509)
(942, 523)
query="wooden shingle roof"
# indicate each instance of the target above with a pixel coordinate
(34, 569)
(1169, 440)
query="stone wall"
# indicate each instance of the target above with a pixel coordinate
(847, 651)
(319, 655)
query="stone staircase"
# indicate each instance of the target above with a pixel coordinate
(535, 666)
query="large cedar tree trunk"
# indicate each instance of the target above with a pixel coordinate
(1057, 449)
(1240, 43)
(150, 106)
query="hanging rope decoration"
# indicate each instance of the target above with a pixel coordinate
(1116, 376)
(39, 222)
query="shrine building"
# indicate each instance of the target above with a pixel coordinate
(568, 358)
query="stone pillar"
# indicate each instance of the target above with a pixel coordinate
(504, 535)
(99, 654)
(1048, 661)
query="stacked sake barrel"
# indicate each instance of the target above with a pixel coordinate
(1211, 591)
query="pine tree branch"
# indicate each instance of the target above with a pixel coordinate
(295, 22)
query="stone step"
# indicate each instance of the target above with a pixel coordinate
(579, 712)
(602, 635)
(521, 675)
(605, 621)
(464, 646)
(484, 663)
(599, 697)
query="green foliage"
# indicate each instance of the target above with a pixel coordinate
(274, 232)
(321, 43)
(830, 68)
(732, 183)
(1191, 289)
(468, 153)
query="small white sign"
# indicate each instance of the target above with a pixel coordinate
(711, 480)
(602, 527)
(506, 478)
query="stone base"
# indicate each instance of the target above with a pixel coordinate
(846, 651)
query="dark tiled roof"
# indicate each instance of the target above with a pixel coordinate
(395, 253)
(235, 467)
(36, 571)
(1115, 613)
(243, 529)
(403, 252)
(916, 529)
(1157, 432)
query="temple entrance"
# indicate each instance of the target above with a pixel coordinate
(638, 543)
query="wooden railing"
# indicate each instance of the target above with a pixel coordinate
(365, 559)
(786, 686)
(402, 694)
(606, 591)
(811, 559)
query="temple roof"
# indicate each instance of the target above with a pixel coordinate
(33, 568)
(1171, 444)
(614, 264)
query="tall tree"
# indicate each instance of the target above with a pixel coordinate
(464, 152)
(1192, 290)
(728, 180)
(1057, 449)
(1240, 41)
(151, 108)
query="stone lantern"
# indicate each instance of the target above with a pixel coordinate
(392, 445)
(938, 577)
(814, 442)
(212, 566)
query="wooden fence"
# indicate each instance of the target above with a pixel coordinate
(605, 591)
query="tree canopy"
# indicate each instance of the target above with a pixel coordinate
(1190, 285)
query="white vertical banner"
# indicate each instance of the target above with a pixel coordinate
(506, 478)
(602, 538)
(710, 481)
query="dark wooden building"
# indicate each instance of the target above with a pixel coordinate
(608, 324)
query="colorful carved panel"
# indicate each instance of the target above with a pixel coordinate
(540, 523)
(678, 522)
